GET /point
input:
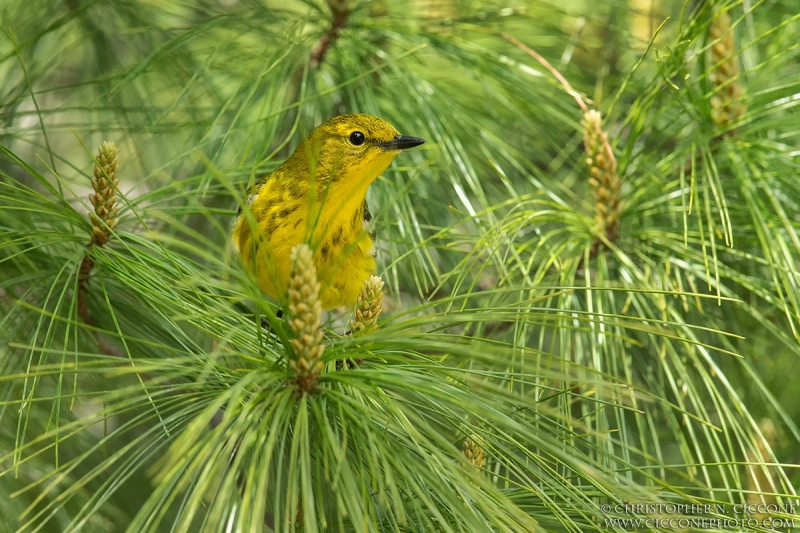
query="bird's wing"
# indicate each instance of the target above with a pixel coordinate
(369, 227)
(251, 194)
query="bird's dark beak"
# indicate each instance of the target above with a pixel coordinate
(402, 142)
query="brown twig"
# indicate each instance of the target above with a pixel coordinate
(83, 308)
(341, 11)
(546, 64)
(83, 286)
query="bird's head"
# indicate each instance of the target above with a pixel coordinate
(352, 150)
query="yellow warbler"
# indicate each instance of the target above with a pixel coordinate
(317, 196)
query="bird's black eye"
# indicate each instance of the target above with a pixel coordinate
(357, 138)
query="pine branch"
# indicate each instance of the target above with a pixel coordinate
(340, 9)
(103, 218)
(726, 103)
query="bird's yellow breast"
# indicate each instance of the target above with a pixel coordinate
(283, 214)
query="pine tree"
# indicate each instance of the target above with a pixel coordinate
(587, 287)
